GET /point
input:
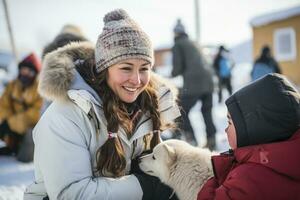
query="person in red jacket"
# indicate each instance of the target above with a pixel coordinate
(264, 135)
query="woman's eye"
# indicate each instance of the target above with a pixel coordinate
(153, 157)
(126, 68)
(144, 69)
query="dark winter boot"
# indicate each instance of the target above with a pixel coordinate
(25, 153)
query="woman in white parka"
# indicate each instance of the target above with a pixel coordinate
(103, 116)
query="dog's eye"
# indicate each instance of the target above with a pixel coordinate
(153, 157)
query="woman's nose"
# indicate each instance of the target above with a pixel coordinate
(135, 78)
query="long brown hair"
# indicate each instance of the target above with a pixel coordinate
(110, 157)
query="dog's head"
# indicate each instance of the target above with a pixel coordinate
(159, 162)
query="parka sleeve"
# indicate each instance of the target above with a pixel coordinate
(5, 103)
(177, 61)
(234, 187)
(168, 107)
(63, 158)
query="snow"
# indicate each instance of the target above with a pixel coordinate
(15, 176)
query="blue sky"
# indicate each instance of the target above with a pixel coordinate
(36, 22)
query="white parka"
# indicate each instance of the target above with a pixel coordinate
(73, 128)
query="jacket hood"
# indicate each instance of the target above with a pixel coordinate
(267, 110)
(58, 74)
(31, 61)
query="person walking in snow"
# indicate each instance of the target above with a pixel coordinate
(108, 108)
(197, 84)
(264, 135)
(19, 110)
(265, 64)
(223, 67)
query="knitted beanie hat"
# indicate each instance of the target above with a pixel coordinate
(267, 110)
(121, 39)
(179, 27)
(31, 61)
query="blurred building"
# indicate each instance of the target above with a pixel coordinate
(163, 57)
(281, 31)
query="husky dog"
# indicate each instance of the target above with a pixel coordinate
(179, 165)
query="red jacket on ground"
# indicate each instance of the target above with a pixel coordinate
(259, 172)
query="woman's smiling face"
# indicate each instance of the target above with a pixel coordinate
(129, 78)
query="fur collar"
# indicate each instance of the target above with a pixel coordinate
(58, 70)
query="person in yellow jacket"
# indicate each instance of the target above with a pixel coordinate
(20, 106)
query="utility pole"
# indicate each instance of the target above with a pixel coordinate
(11, 37)
(197, 20)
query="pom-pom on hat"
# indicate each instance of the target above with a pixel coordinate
(121, 39)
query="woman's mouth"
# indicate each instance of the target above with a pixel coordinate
(130, 89)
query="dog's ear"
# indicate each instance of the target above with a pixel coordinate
(171, 152)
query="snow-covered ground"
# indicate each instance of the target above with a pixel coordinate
(15, 176)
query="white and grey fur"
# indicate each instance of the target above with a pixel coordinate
(58, 70)
(179, 165)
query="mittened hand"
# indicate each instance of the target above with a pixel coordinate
(164, 192)
(153, 188)
(148, 184)
(135, 168)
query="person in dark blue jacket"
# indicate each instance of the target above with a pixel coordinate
(265, 64)
(223, 67)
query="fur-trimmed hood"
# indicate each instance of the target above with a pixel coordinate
(58, 74)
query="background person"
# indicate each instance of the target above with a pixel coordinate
(223, 67)
(69, 33)
(19, 110)
(265, 64)
(197, 84)
(103, 116)
(264, 134)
